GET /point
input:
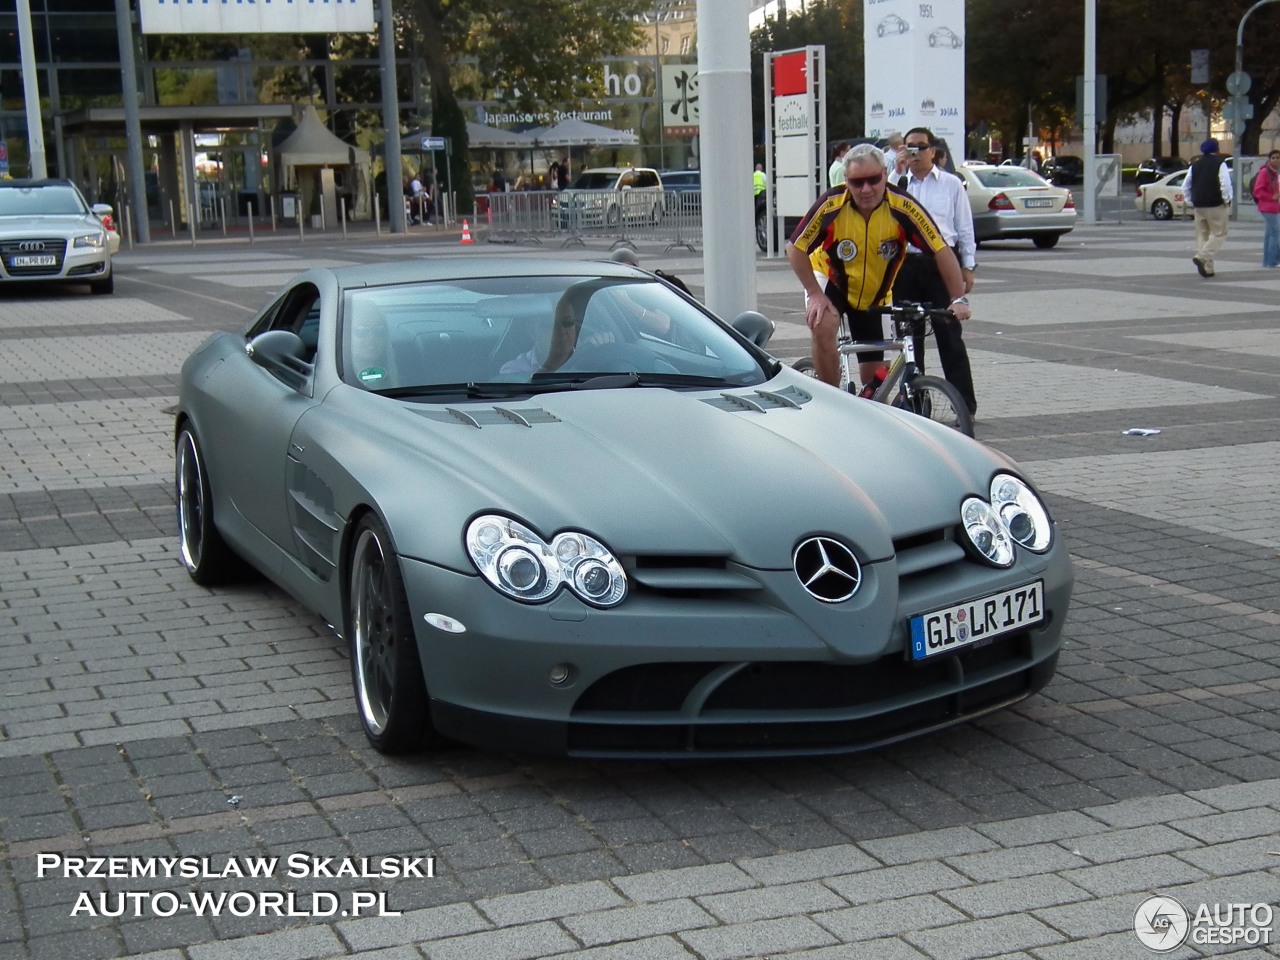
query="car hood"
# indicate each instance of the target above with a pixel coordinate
(55, 224)
(688, 473)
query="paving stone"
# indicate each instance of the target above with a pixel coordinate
(635, 922)
(888, 918)
(685, 882)
(984, 938)
(548, 904)
(757, 938)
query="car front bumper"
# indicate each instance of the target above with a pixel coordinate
(721, 673)
(1006, 225)
(76, 264)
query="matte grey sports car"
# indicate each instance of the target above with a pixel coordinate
(559, 507)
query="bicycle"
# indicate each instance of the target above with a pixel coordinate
(904, 386)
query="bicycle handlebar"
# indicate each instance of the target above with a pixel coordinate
(909, 310)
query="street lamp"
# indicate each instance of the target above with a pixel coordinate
(1242, 84)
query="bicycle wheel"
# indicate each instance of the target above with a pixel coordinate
(939, 401)
(805, 365)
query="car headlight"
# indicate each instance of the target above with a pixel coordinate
(525, 567)
(986, 532)
(1022, 513)
(94, 240)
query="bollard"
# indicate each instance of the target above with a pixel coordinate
(128, 226)
(273, 214)
(173, 223)
(250, 205)
(377, 215)
(301, 237)
(222, 212)
(191, 221)
(342, 215)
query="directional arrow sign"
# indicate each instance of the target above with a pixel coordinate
(1237, 108)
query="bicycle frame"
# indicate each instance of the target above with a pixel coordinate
(903, 368)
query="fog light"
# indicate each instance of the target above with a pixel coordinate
(560, 674)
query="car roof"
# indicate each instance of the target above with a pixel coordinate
(466, 268)
(28, 184)
(613, 169)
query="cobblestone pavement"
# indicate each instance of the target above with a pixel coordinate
(142, 716)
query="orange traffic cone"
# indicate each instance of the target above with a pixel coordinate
(466, 233)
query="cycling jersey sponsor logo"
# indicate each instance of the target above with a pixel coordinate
(846, 250)
(890, 249)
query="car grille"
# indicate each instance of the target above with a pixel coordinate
(664, 709)
(19, 248)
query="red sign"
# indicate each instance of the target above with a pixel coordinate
(791, 74)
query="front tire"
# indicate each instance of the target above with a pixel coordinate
(935, 399)
(204, 553)
(106, 285)
(1162, 210)
(386, 672)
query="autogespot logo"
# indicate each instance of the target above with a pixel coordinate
(1161, 923)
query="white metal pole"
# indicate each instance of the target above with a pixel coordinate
(724, 79)
(31, 93)
(251, 221)
(191, 221)
(1090, 108)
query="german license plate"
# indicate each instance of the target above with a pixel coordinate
(1038, 202)
(41, 260)
(945, 630)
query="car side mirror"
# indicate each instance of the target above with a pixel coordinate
(756, 327)
(281, 353)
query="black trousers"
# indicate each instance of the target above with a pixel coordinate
(919, 282)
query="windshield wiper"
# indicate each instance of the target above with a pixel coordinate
(499, 389)
(605, 381)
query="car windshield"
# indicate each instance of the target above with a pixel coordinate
(595, 181)
(40, 201)
(509, 331)
(1002, 177)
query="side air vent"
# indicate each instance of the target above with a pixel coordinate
(761, 401)
(490, 416)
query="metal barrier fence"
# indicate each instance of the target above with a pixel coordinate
(627, 216)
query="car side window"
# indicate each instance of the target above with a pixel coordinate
(628, 179)
(646, 178)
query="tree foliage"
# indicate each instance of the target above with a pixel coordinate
(836, 24)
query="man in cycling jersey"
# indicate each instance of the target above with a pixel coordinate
(846, 252)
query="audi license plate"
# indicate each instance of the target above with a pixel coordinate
(35, 260)
(1038, 202)
(950, 628)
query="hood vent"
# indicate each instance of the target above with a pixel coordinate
(490, 416)
(761, 401)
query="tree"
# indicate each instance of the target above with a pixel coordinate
(548, 52)
(837, 24)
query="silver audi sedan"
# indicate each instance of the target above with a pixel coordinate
(49, 233)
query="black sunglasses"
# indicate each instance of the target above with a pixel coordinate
(859, 182)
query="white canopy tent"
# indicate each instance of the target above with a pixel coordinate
(572, 132)
(306, 161)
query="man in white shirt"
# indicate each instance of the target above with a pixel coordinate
(943, 195)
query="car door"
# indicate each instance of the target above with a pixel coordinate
(256, 416)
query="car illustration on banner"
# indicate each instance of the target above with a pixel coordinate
(945, 37)
(891, 24)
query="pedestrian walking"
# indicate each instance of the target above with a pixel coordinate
(1208, 190)
(942, 194)
(1266, 194)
